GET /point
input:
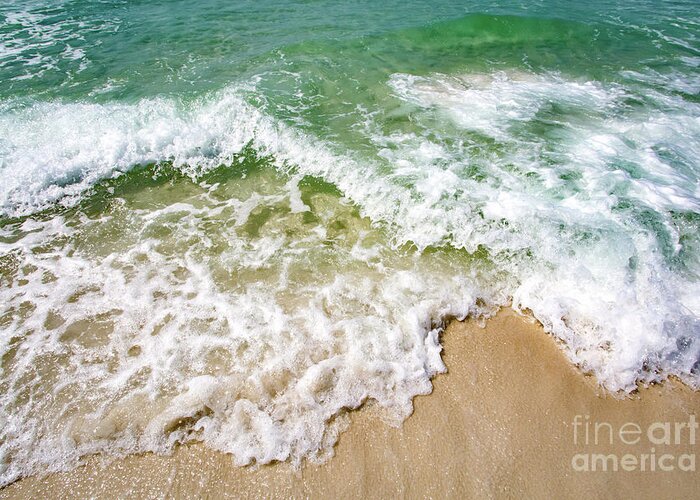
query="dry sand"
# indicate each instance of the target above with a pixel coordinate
(498, 424)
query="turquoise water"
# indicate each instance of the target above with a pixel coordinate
(231, 222)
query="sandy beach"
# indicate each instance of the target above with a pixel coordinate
(509, 419)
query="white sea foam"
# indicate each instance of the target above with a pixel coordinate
(179, 322)
(220, 313)
(600, 280)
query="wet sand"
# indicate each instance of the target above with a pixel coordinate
(499, 424)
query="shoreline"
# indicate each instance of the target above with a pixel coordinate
(512, 416)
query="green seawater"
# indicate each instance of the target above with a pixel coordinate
(127, 50)
(232, 221)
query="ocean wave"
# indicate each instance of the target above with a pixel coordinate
(249, 313)
(284, 278)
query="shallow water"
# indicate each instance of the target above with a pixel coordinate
(231, 223)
